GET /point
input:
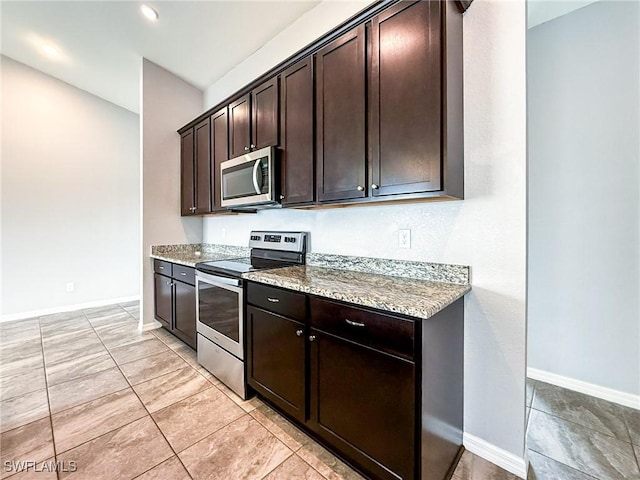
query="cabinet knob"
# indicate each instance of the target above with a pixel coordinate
(299, 332)
(312, 338)
(246, 149)
(193, 209)
(253, 146)
(360, 188)
(374, 186)
(183, 274)
(273, 300)
(281, 197)
(169, 283)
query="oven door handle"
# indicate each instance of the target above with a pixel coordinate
(255, 177)
(221, 282)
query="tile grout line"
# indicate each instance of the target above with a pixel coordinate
(565, 465)
(46, 386)
(143, 406)
(582, 426)
(633, 449)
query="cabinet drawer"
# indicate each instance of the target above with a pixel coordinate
(184, 274)
(383, 332)
(284, 302)
(162, 267)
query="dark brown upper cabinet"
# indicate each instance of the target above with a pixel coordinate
(219, 153)
(187, 174)
(341, 118)
(240, 126)
(253, 119)
(264, 114)
(405, 130)
(202, 167)
(296, 134)
(195, 159)
(371, 112)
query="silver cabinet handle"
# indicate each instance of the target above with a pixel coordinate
(312, 338)
(360, 188)
(273, 300)
(246, 149)
(253, 146)
(354, 324)
(169, 283)
(183, 274)
(299, 332)
(281, 197)
(193, 209)
(161, 268)
(374, 186)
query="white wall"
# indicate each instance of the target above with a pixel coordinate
(168, 103)
(70, 195)
(584, 157)
(486, 230)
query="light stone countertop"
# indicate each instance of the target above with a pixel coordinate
(407, 296)
(192, 253)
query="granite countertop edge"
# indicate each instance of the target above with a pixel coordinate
(381, 298)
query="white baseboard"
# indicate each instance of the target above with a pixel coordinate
(496, 455)
(66, 308)
(616, 396)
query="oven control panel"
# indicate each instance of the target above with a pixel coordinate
(289, 241)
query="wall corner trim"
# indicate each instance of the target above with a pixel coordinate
(145, 327)
(615, 396)
(496, 455)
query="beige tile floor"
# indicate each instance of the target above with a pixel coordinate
(88, 391)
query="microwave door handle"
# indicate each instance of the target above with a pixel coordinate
(256, 166)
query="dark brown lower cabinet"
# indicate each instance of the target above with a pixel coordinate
(184, 321)
(175, 300)
(276, 359)
(383, 392)
(363, 403)
(163, 299)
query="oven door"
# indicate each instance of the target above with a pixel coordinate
(247, 180)
(219, 316)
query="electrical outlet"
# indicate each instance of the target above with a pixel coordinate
(70, 287)
(404, 238)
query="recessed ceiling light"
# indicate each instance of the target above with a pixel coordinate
(149, 12)
(51, 50)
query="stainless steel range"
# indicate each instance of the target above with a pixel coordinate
(220, 301)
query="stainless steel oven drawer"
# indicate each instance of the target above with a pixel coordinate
(227, 368)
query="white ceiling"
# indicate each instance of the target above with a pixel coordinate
(101, 43)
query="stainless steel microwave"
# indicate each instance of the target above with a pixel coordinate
(248, 180)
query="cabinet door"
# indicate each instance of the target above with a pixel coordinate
(405, 100)
(276, 359)
(187, 174)
(296, 135)
(163, 300)
(185, 320)
(219, 153)
(264, 114)
(239, 126)
(363, 402)
(340, 118)
(203, 167)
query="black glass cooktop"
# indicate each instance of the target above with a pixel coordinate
(234, 267)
